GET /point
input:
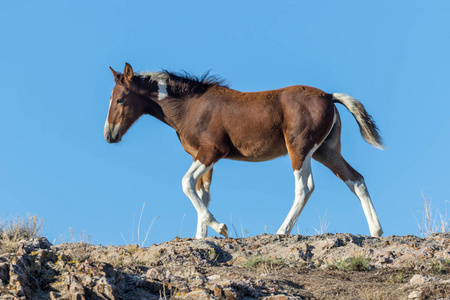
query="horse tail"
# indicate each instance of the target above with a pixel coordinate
(367, 126)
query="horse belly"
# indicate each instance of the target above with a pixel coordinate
(263, 148)
(255, 130)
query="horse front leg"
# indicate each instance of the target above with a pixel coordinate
(195, 172)
(203, 186)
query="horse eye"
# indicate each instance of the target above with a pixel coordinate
(120, 100)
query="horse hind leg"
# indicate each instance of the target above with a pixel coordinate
(304, 186)
(329, 155)
(359, 188)
(203, 186)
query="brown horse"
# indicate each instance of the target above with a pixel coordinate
(213, 121)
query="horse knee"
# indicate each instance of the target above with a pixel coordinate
(188, 184)
(304, 186)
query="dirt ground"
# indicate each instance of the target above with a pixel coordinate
(329, 266)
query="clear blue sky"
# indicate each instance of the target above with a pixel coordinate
(55, 86)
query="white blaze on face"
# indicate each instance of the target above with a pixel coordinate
(106, 128)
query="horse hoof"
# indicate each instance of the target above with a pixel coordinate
(223, 230)
(376, 232)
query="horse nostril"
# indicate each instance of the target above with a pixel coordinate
(112, 133)
(109, 138)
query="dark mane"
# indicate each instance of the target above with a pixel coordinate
(183, 83)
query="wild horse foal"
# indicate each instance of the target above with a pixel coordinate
(213, 121)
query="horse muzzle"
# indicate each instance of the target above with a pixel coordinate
(112, 133)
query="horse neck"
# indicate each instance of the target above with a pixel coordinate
(159, 109)
(170, 110)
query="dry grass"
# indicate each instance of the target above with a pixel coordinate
(374, 293)
(140, 242)
(399, 277)
(264, 265)
(17, 229)
(431, 223)
(83, 236)
(323, 224)
(79, 251)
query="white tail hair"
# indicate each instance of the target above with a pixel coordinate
(367, 126)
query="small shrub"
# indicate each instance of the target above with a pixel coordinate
(399, 277)
(440, 266)
(342, 264)
(132, 249)
(357, 263)
(252, 262)
(212, 255)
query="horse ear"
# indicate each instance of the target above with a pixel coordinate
(116, 75)
(128, 73)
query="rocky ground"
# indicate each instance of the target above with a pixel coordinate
(329, 266)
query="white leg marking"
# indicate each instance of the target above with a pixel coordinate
(203, 193)
(304, 186)
(196, 170)
(200, 194)
(359, 188)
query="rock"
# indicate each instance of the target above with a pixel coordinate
(387, 258)
(4, 273)
(231, 293)
(420, 279)
(216, 268)
(105, 289)
(198, 280)
(155, 274)
(34, 244)
(414, 294)
(76, 288)
(282, 297)
(217, 291)
(199, 294)
(213, 277)
(20, 278)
